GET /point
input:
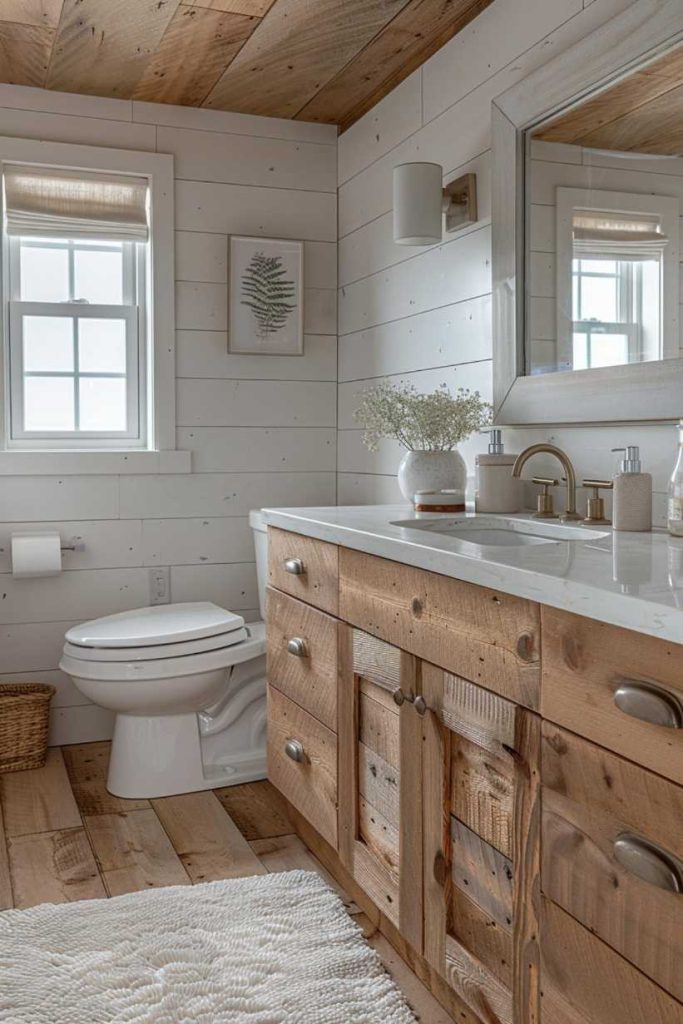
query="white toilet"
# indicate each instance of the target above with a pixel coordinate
(188, 685)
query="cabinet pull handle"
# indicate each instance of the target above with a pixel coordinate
(400, 698)
(649, 862)
(294, 566)
(297, 646)
(294, 750)
(649, 703)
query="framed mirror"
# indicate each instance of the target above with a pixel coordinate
(587, 216)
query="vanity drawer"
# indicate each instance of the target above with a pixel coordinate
(612, 842)
(302, 762)
(302, 655)
(304, 567)
(586, 662)
(583, 981)
(483, 635)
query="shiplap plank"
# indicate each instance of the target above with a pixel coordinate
(40, 799)
(66, 696)
(259, 449)
(195, 49)
(278, 163)
(229, 586)
(32, 12)
(256, 8)
(85, 724)
(79, 595)
(197, 541)
(298, 47)
(205, 354)
(32, 646)
(25, 499)
(231, 123)
(249, 210)
(103, 48)
(220, 494)
(444, 336)
(457, 270)
(239, 403)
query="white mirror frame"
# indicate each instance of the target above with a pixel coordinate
(615, 394)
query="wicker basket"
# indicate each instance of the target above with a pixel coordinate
(24, 719)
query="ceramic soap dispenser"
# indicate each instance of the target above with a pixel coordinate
(497, 489)
(632, 501)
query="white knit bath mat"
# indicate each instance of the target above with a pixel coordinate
(272, 949)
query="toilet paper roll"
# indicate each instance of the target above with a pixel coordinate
(36, 554)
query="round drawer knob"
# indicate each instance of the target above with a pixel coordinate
(294, 750)
(297, 646)
(294, 566)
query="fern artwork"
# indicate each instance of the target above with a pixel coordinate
(266, 281)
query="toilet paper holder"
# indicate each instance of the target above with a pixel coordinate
(75, 545)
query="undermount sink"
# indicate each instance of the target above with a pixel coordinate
(500, 531)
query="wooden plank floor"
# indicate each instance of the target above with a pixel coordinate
(63, 837)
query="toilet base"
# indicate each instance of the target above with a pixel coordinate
(161, 755)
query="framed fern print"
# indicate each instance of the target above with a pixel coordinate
(266, 296)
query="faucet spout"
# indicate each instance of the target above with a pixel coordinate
(550, 449)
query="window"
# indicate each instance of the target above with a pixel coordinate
(613, 324)
(77, 340)
(77, 246)
(87, 346)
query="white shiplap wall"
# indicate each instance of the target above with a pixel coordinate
(425, 315)
(262, 430)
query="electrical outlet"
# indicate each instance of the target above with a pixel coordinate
(160, 585)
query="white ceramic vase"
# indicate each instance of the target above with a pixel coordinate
(431, 471)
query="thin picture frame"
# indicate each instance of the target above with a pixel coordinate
(266, 296)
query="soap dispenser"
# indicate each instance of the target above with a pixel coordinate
(497, 489)
(632, 502)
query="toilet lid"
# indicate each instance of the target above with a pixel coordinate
(162, 624)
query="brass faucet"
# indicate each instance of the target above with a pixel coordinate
(571, 515)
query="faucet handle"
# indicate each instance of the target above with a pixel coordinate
(545, 508)
(595, 512)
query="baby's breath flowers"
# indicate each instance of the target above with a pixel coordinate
(434, 422)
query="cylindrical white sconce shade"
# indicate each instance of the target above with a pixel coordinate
(418, 203)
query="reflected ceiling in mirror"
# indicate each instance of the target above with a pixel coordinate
(604, 197)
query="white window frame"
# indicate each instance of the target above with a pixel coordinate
(132, 310)
(159, 452)
(568, 200)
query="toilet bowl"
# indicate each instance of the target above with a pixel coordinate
(187, 683)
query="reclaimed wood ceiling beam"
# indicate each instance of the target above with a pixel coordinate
(299, 46)
(417, 31)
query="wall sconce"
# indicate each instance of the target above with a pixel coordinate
(420, 202)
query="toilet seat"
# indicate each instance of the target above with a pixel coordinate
(169, 667)
(153, 653)
(157, 625)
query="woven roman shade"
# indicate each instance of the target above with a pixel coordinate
(617, 236)
(51, 202)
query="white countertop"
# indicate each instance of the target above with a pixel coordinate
(633, 580)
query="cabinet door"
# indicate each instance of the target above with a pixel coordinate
(481, 855)
(380, 750)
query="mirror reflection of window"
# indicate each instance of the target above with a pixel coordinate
(616, 288)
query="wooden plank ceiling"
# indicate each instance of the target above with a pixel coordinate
(311, 60)
(642, 113)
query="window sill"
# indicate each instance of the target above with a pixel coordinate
(97, 463)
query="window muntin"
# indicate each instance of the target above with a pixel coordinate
(76, 342)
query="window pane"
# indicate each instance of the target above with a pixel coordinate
(48, 403)
(580, 352)
(101, 345)
(103, 403)
(599, 299)
(609, 349)
(98, 276)
(44, 274)
(48, 343)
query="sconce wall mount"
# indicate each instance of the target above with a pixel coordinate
(421, 202)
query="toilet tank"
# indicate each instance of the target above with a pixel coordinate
(257, 523)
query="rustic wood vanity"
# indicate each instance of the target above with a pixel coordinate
(499, 783)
